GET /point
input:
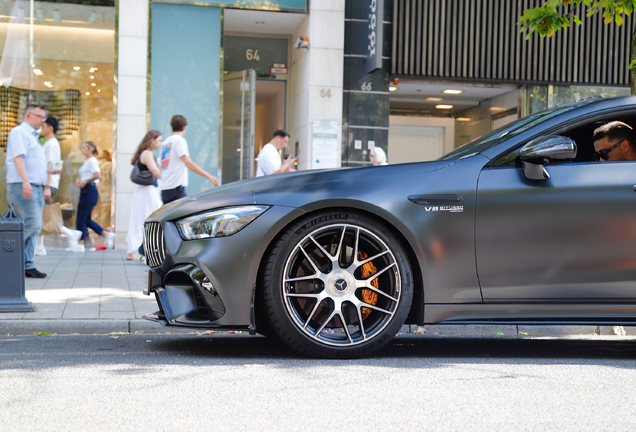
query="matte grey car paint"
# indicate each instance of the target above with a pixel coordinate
(557, 250)
(569, 238)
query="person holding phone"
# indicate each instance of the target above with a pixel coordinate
(268, 161)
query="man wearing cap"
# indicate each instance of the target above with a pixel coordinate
(26, 176)
(53, 153)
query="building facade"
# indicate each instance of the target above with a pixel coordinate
(467, 64)
(233, 68)
(415, 77)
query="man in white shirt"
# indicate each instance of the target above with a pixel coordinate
(175, 163)
(26, 175)
(269, 161)
(53, 153)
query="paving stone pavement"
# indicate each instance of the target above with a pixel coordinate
(90, 292)
(101, 292)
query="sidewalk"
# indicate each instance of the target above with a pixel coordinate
(100, 292)
(90, 292)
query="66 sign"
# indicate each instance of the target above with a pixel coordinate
(375, 36)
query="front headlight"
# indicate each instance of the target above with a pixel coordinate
(218, 223)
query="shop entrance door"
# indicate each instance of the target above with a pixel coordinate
(239, 101)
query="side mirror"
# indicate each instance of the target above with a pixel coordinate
(541, 151)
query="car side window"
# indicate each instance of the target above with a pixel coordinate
(580, 132)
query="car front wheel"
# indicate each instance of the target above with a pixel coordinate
(337, 286)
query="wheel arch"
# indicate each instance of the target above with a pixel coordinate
(417, 261)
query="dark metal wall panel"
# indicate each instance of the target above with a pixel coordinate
(480, 39)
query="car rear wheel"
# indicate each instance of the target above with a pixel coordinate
(337, 286)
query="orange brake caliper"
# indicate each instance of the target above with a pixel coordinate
(369, 296)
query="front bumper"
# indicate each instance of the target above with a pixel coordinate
(209, 283)
(185, 297)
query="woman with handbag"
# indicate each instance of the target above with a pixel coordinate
(146, 198)
(89, 175)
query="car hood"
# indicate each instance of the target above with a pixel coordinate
(294, 189)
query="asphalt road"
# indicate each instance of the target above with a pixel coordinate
(236, 382)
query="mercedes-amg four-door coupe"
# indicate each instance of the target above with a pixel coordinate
(527, 224)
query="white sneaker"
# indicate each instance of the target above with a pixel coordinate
(76, 248)
(139, 258)
(72, 236)
(110, 240)
(39, 246)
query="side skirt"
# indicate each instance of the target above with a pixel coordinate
(531, 313)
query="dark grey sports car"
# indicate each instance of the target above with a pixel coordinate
(519, 226)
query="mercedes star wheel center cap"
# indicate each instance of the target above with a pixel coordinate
(340, 285)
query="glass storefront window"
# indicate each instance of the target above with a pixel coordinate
(541, 97)
(61, 55)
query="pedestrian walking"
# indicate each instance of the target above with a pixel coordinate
(101, 213)
(268, 160)
(26, 176)
(53, 156)
(89, 174)
(175, 163)
(146, 198)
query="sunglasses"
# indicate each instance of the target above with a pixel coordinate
(604, 154)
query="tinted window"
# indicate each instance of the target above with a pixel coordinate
(581, 133)
(493, 138)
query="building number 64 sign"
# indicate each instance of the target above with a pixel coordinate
(251, 54)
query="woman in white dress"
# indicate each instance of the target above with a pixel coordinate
(146, 199)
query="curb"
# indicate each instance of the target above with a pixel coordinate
(29, 327)
(105, 326)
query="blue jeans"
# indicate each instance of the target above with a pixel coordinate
(87, 201)
(31, 211)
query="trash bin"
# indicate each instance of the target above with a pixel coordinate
(12, 298)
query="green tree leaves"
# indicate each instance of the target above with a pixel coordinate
(555, 15)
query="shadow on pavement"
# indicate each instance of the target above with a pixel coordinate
(146, 350)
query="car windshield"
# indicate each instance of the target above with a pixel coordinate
(493, 138)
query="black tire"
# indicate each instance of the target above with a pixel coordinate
(337, 285)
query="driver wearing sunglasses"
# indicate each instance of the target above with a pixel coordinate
(614, 141)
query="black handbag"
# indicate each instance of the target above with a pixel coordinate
(143, 178)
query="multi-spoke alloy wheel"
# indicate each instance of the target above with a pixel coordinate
(338, 288)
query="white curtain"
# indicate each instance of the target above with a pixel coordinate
(17, 55)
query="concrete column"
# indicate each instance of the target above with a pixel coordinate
(317, 75)
(131, 107)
